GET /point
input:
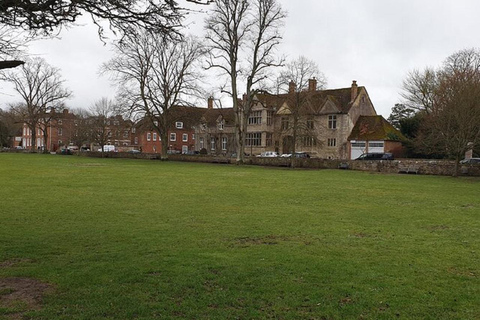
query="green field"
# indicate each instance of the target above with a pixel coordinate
(139, 239)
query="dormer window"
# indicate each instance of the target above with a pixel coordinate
(179, 125)
(221, 125)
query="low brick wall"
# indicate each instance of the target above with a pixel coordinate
(402, 166)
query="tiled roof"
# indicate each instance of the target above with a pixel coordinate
(340, 97)
(370, 128)
(190, 116)
(211, 116)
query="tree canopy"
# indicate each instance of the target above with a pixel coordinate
(47, 17)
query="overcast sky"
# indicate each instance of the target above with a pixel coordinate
(374, 42)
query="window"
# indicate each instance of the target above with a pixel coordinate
(253, 139)
(184, 149)
(109, 134)
(185, 137)
(60, 131)
(255, 117)
(202, 143)
(269, 118)
(39, 132)
(125, 134)
(224, 143)
(173, 137)
(134, 130)
(154, 136)
(193, 136)
(136, 140)
(269, 139)
(59, 122)
(149, 136)
(332, 122)
(155, 123)
(212, 144)
(285, 123)
(332, 142)
(310, 124)
(221, 125)
(179, 125)
(308, 141)
(375, 144)
(358, 144)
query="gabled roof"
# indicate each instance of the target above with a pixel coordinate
(370, 128)
(211, 116)
(318, 100)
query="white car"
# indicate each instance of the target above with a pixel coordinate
(268, 154)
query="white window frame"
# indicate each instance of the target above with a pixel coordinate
(179, 125)
(149, 136)
(224, 143)
(173, 136)
(154, 137)
(212, 144)
(185, 137)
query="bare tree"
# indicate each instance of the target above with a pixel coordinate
(102, 112)
(295, 81)
(243, 36)
(453, 124)
(48, 17)
(156, 73)
(41, 87)
(419, 90)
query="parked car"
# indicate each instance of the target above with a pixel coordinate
(470, 161)
(301, 155)
(268, 154)
(376, 156)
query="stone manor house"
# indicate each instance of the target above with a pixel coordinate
(332, 124)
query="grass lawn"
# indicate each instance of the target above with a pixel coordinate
(138, 239)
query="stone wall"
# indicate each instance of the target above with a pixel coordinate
(402, 166)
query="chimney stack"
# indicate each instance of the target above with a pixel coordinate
(312, 84)
(210, 102)
(291, 87)
(354, 90)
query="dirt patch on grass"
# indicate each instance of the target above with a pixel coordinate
(438, 228)
(20, 295)
(462, 272)
(13, 262)
(270, 240)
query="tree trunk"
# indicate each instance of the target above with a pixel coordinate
(457, 167)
